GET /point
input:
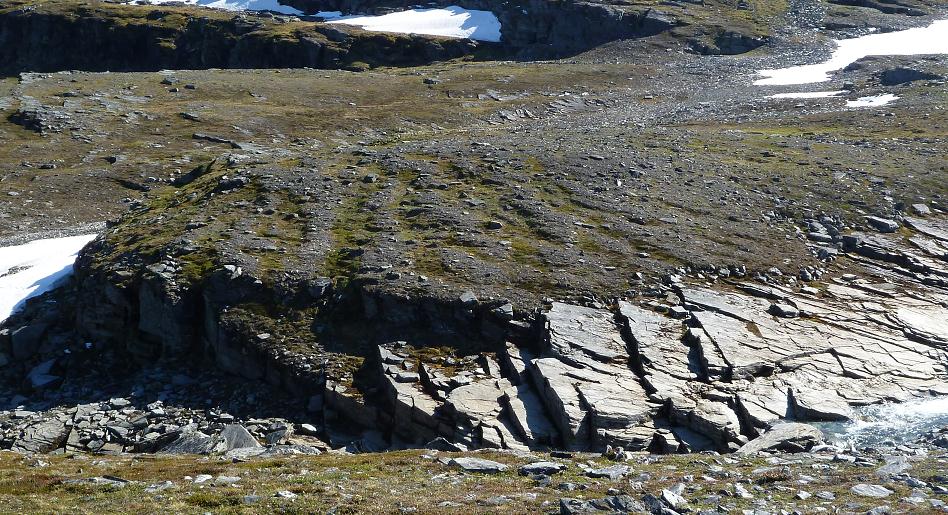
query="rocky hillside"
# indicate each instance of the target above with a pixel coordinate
(66, 35)
(576, 266)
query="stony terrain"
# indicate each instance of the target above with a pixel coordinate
(431, 481)
(623, 253)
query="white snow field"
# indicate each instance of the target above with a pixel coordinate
(932, 39)
(233, 5)
(453, 21)
(873, 101)
(33, 268)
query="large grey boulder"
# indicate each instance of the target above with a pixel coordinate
(547, 468)
(236, 436)
(194, 442)
(882, 224)
(613, 472)
(478, 465)
(42, 436)
(875, 491)
(611, 504)
(903, 75)
(785, 437)
(818, 406)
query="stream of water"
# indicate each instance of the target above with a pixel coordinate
(890, 423)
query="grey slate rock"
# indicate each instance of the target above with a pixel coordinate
(787, 437)
(882, 224)
(194, 442)
(614, 472)
(40, 376)
(547, 468)
(875, 491)
(784, 310)
(42, 436)
(236, 436)
(478, 465)
(610, 504)
(894, 465)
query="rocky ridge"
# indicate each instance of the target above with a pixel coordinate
(408, 286)
(683, 368)
(108, 37)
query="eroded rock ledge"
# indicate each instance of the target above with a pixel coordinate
(685, 367)
(110, 37)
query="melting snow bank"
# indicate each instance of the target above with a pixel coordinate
(873, 101)
(36, 267)
(890, 423)
(932, 39)
(452, 21)
(232, 5)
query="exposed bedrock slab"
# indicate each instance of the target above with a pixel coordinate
(585, 379)
(528, 415)
(722, 369)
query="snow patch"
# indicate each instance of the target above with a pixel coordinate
(232, 5)
(34, 268)
(932, 39)
(453, 21)
(873, 101)
(808, 94)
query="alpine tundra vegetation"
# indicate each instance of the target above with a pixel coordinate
(474, 256)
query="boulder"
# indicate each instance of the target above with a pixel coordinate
(194, 442)
(236, 436)
(816, 405)
(882, 224)
(546, 468)
(41, 377)
(42, 436)
(786, 437)
(478, 465)
(611, 504)
(875, 491)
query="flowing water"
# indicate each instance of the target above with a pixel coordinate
(890, 423)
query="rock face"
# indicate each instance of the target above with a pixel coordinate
(103, 39)
(536, 28)
(701, 368)
(729, 375)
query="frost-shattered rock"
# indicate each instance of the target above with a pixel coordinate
(784, 437)
(875, 491)
(236, 436)
(42, 436)
(195, 442)
(547, 468)
(610, 504)
(613, 472)
(478, 465)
